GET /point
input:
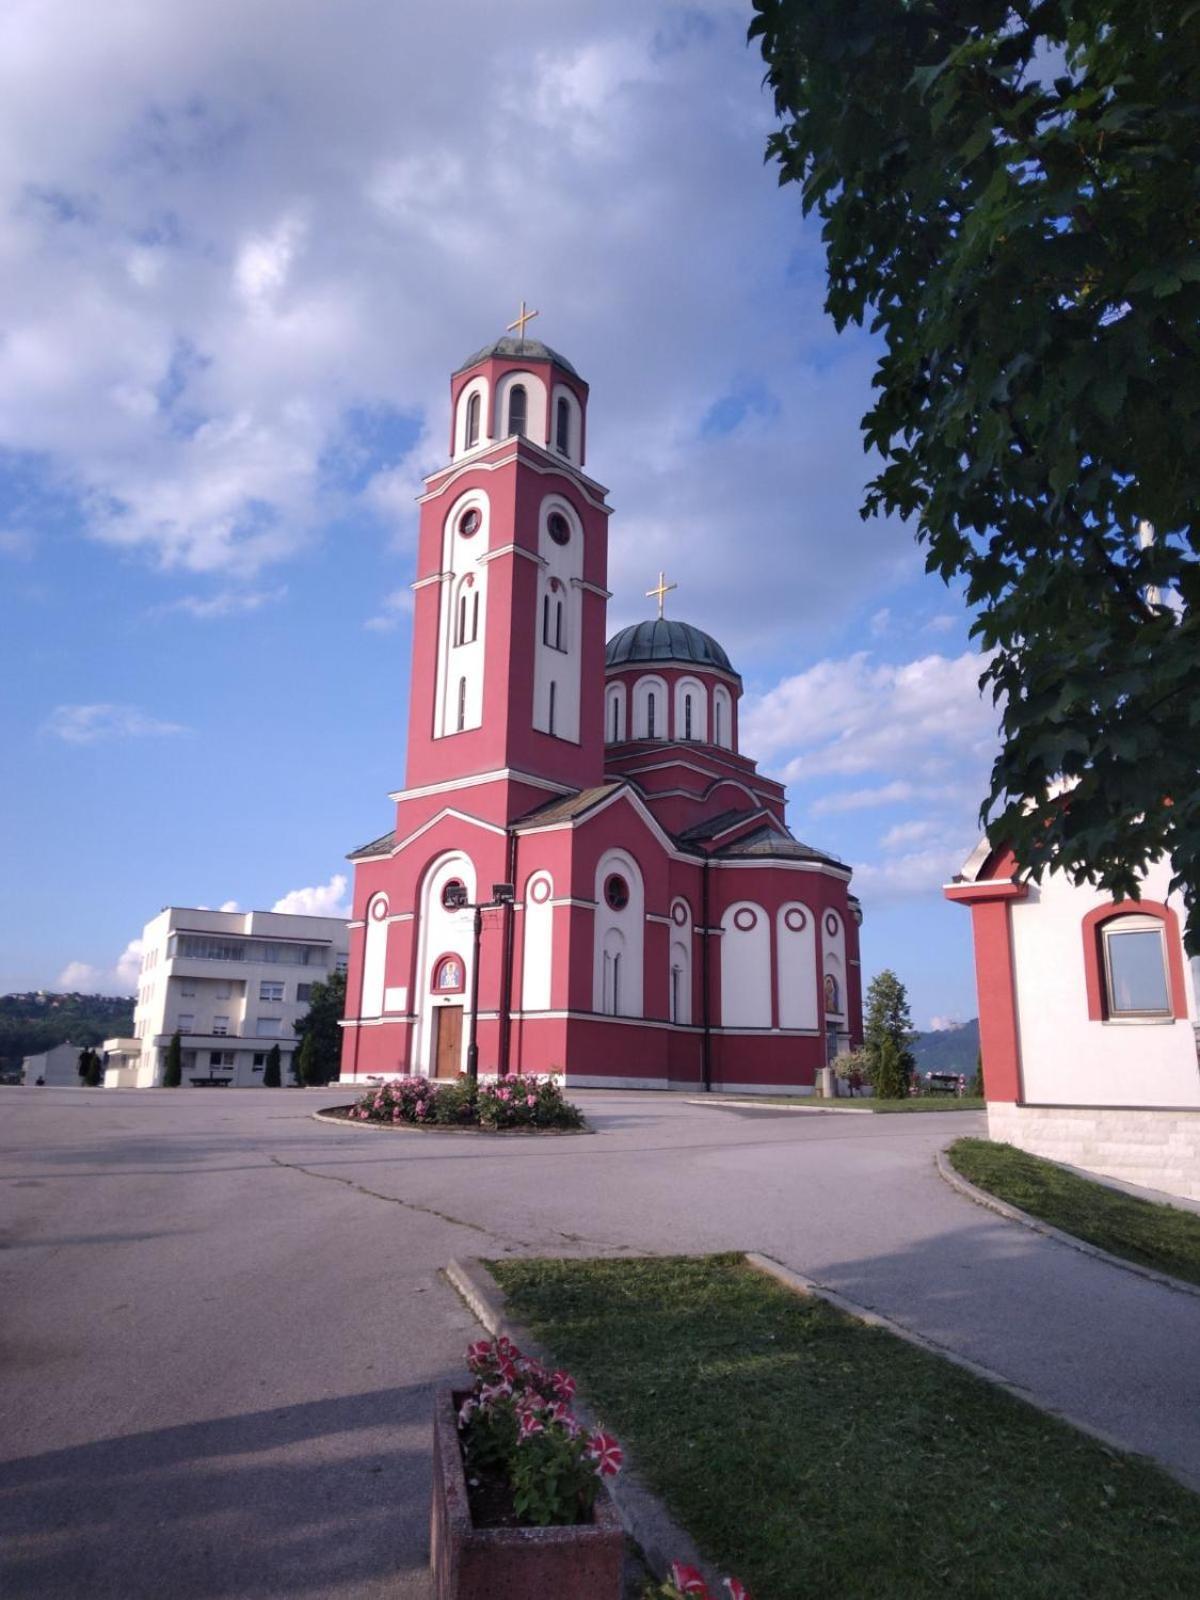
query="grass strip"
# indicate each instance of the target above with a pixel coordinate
(968, 1102)
(1145, 1231)
(813, 1455)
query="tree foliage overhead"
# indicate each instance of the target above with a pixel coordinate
(1010, 198)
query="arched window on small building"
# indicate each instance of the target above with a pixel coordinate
(562, 427)
(687, 716)
(517, 408)
(462, 705)
(473, 409)
(651, 700)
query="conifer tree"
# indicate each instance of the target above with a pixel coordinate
(890, 1080)
(888, 1019)
(173, 1067)
(271, 1078)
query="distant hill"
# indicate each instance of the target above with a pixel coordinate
(949, 1049)
(37, 1021)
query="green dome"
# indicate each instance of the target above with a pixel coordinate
(666, 640)
(510, 348)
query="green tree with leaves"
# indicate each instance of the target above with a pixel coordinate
(1008, 195)
(91, 1068)
(173, 1066)
(888, 1022)
(890, 1079)
(271, 1074)
(319, 1032)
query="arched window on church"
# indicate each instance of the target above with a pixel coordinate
(616, 719)
(717, 709)
(517, 403)
(650, 698)
(833, 1000)
(612, 983)
(553, 708)
(562, 427)
(687, 716)
(462, 705)
(473, 408)
(466, 627)
(676, 975)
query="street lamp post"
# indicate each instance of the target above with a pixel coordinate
(503, 894)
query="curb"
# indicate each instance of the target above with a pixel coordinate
(473, 1132)
(1002, 1208)
(799, 1284)
(767, 1105)
(643, 1515)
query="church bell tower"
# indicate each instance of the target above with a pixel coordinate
(509, 619)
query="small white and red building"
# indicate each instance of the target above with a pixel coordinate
(667, 930)
(1088, 1021)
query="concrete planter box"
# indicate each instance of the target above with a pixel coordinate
(472, 1563)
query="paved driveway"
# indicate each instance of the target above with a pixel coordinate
(221, 1321)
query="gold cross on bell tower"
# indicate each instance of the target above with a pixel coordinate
(523, 317)
(661, 593)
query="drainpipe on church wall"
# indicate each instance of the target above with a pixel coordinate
(510, 917)
(706, 1041)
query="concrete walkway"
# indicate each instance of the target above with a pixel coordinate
(222, 1322)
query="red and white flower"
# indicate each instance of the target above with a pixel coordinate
(737, 1589)
(606, 1453)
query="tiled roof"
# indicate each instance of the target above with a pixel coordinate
(510, 349)
(769, 841)
(711, 826)
(377, 847)
(570, 806)
(665, 639)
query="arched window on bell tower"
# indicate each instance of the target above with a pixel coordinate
(562, 426)
(518, 402)
(474, 405)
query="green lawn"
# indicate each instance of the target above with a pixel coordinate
(814, 1456)
(932, 1102)
(1154, 1235)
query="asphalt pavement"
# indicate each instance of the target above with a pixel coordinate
(221, 1322)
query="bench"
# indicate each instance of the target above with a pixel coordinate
(943, 1083)
(209, 1083)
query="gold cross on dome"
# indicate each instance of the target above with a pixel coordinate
(523, 317)
(661, 593)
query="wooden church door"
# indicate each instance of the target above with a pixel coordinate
(447, 1050)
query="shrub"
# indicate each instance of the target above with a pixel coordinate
(519, 1101)
(890, 1077)
(517, 1421)
(271, 1074)
(526, 1101)
(173, 1066)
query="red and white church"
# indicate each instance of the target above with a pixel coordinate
(666, 929)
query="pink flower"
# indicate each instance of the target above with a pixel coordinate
(530, 1424)
(737, 1589)
(503, 1094)
(607, 1454)
(564, 1385)
(531, 1099)
(479, 1352)
(466, 1410)
(687, 1580)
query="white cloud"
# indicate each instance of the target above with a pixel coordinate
(856, 715)
(943, 622)
(391, 608)
(229, 905)
(321, 900)
(908, 833)
(120, 979)
(944, 1024)
(881, 621)
(884, 794)
(17, 543)
(227, 228)
(78, 976)
(226, 603)
(91, 724)
(915, 875)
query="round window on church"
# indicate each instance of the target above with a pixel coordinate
(558, 528)
(616, 891)
(468, 523)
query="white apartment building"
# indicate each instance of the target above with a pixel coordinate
(232, 983)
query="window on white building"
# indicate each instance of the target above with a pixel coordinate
(268, 1028)
(187, 989)
(220, 1025)
(220, 1058)
(1135, 968)
(186, 1022)
(268, 989)
(303, 993)
(260, 1060)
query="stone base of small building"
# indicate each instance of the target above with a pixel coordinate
(1155, 1149)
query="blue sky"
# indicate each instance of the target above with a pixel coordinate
(242, 251)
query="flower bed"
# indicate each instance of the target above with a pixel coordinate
(518, 1101)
